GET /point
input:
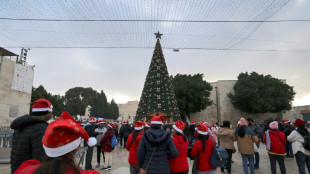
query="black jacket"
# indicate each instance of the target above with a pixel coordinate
(90, 129)
(27, 140)
(125, 130)
(164, 147)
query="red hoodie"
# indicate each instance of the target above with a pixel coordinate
(180, 163)
(132, 148)
(275, 142)
(203, 156)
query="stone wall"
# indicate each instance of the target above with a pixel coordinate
(222, 108)
(128, 110)
(12, 103)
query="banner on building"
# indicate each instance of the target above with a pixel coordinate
(22, 78)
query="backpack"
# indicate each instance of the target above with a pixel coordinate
(219, 155)
(306, 143)
(114, 141)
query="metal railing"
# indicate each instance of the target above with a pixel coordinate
(6, 137)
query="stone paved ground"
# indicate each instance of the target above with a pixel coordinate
(120, 163)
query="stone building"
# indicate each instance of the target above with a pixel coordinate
(13, 103)
(222, 108)
(128, 111)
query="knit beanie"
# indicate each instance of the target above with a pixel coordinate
(274, 125)
(299, 123)
(243, 122)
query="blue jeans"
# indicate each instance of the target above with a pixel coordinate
(302, 160)
(245, 159)
(288, 147)
(207, 172)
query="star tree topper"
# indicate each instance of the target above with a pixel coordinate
(158, 35)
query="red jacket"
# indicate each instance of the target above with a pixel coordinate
(275, 142)
(203, 156)
(132, 148)
(106, 141)
(180, 163)
(28, 167)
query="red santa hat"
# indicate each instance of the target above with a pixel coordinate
(202, 129)
(139, 125)
(64, 135)
(101, 122)
(110, 125)
(179, 126)
(42, 105)
(193, 122)
(157, 119)
(148, 125)
(286, 121)
(117, 122)
(213, 124)
(92, 120)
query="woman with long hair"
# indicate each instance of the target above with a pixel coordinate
(302, 155)
(60, 142)
(179, 165)
(132, 146)
(245, 141)
(203, 147)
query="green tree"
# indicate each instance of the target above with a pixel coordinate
(113, 110)
(256, 93)
(158, 93)
(100, 105)
(78, 98)
(192, 93)
(56, 100)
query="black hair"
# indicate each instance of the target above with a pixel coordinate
(155, 126)
(183, 135)
(58, 165)
(203, 138)
(134, 136)
(192, 129)
(241, 131)
(250, 119)
(40, 113)
(226, 123)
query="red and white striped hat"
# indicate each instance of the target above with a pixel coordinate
(64, 135)
(139, 125)
(179, 126)
(202, 129)
(157, 119)
(92, 120)
(42, 105)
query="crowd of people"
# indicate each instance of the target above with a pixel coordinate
(155, 146)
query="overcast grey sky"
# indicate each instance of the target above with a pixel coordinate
(121, 73)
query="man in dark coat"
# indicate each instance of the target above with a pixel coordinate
(154, 148)
(125, 131)
(259, 133)
(90, 129)
(288, 129)
(28, 134)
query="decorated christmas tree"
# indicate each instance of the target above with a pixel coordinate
(158, 95)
